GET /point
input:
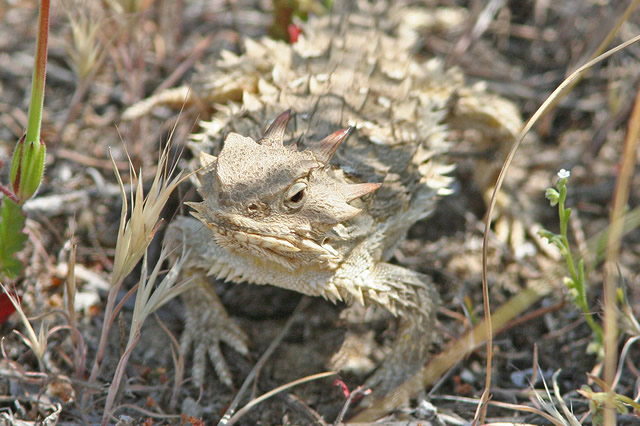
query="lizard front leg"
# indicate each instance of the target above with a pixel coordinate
(403, 292)
(415, 301)
(207, 322)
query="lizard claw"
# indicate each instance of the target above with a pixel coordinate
(207, 325)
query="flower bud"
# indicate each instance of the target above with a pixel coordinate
(27, 167)
(553, 196)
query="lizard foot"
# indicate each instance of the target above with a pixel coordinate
(400, 365)
(355, 354)
(207, 325)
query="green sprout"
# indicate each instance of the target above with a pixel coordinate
(598, 401)
(575, 282)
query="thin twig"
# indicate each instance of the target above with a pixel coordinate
(195, 54)
(241, 412)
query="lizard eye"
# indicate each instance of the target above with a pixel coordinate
(295, 195)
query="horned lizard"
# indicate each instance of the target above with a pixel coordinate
(316, 199)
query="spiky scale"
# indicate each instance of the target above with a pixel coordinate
(344, 203)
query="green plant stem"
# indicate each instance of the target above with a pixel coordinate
(39, 75)
(577, 275)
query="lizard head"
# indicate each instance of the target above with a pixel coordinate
(275, 202)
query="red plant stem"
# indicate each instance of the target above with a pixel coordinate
(9, 194)
(39, 75)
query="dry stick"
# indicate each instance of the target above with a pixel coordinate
(117, 377)
(87, 160)
(77, 341)
(620, 200)
(526, 408)
(481, 24)
(81, 89)
(149, 413)
(513, 306)
(194, 56)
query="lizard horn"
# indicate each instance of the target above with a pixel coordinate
(357, 190)
(275, 132)
(328, 146)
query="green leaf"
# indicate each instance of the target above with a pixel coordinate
(546, 234)
(12, 238)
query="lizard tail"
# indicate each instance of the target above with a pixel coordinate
(176, 96)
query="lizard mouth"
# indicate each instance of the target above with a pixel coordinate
(291, 252)
(255, 239)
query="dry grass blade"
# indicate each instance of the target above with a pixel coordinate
(85, 48)
(573, 421)
(527, 409)
(551, 418)
(557, 418)
(79, 350)
(71, 288)
(241, 412)
(134, 235)
(485, 17)
(37, 343)
(149, 298)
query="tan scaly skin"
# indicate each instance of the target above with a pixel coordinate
(282, 216)
(317, 201)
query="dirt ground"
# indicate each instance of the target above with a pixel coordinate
(521, 50)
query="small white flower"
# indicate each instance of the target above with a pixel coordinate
(564, 174)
